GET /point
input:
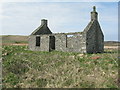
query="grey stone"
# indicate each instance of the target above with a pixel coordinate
(91, 40)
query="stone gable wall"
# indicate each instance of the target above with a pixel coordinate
(94, 39)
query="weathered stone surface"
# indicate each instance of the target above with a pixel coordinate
(91, 40)
(60, 42)
(94, 38)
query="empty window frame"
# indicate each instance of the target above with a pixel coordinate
(70, 35)
(38, 41)
(68, 39)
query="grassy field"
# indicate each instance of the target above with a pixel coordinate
(33, 69)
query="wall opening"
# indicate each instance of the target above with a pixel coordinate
(51, 43)
(66, 41)
(70, 35)
(69, 40)
(38, 41)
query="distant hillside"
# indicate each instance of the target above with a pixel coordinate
(10, 39)
(18, 39)
(111, 43)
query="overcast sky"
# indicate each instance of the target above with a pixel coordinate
(22, 18)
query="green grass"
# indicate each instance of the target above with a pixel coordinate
(32, 69)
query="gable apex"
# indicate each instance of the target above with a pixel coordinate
(42, 29)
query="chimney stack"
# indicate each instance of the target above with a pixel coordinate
(44, 22)
(94, 14)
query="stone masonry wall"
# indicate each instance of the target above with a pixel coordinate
(60, 42)
(75, 43)
(32, 42)
(90, 39)
(44, 43)
(100, 39)
(94, 38)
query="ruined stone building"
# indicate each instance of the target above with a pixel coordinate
(91, 40)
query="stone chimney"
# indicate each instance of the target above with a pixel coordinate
(94, 14)
(44, 22)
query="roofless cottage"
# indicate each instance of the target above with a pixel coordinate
(91, 40)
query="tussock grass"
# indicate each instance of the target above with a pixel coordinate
(32, 69)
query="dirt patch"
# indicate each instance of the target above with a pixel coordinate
(111, 47)
(22, 44)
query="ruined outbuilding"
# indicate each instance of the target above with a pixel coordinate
(91, 40)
